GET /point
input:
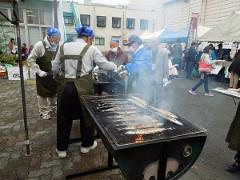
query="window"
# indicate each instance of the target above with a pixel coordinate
(130, 23)
(71, 37)
(144, 24)
(20, 15)
(34, 34)
(85, 19)
(43, 32)
(68, 18)
(116, 22)
(5, 12)
(45, 17)
(32, 16)
(100, 41)
(101, 21)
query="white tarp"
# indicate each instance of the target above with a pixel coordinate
(151, 36)
(226, 30)
(201, 30)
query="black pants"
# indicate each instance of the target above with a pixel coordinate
(70, 109)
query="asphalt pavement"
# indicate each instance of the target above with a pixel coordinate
(212, 113)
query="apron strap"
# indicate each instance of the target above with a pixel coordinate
(44, 45)
(62, 58)
(79, 66)
(76, 57)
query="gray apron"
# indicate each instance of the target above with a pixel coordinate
(46, 86)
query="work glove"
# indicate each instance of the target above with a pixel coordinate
(120, 68)
(123, 74)
(95, 76)
(115, 69)
(95, 73)
(42, 73)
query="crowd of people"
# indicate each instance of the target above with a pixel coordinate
(12, 49)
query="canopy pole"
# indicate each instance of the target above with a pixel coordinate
(16, 15)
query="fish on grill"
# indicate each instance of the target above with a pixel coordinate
(139, 126)
(163, 113)
(146, 131)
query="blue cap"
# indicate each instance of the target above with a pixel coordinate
(133, 39)
(116, 40)
(53, 32)
(84, 31)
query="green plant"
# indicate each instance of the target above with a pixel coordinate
(7, 59)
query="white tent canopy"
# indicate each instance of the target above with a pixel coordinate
(151, 36)
(201, 30)
(227, 30)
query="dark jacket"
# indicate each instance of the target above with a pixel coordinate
(119, 57)
(233, 136)
(192, 54)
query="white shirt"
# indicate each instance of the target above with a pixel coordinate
(207, 59)
(37, 52)
(92, 57)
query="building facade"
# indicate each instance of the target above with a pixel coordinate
(35, 17)
(177, 13)
(114, 22)
(117, 22)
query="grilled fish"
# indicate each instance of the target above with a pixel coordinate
(146, 131)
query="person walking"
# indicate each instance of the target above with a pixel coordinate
(74, 63)
(40, 60)
(205, 67)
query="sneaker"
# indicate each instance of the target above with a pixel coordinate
(208, 94)
(192, 92)
(233, 168)
(61, 154)
(87, 149)
(46, 117)
(166, 83)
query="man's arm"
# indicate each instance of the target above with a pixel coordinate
(142, 61)
(101, 61)
(56, 63)
(37, 51)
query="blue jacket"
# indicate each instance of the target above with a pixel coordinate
(140, 62)
(213, 55)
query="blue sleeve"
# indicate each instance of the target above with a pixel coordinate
(139, 63)
(213, 55)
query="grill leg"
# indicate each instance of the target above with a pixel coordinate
(163, 162)
(110, 160)
(95, 171)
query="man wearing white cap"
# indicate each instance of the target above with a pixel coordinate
(40, 61)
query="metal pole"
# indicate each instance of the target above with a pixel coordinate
(55, 7)
(16, 14)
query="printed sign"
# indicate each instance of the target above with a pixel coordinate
(14, 73)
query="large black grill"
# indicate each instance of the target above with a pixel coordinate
(146, 142)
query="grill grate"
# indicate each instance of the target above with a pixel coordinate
(128, 121)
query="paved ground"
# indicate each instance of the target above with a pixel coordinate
(215, 114)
